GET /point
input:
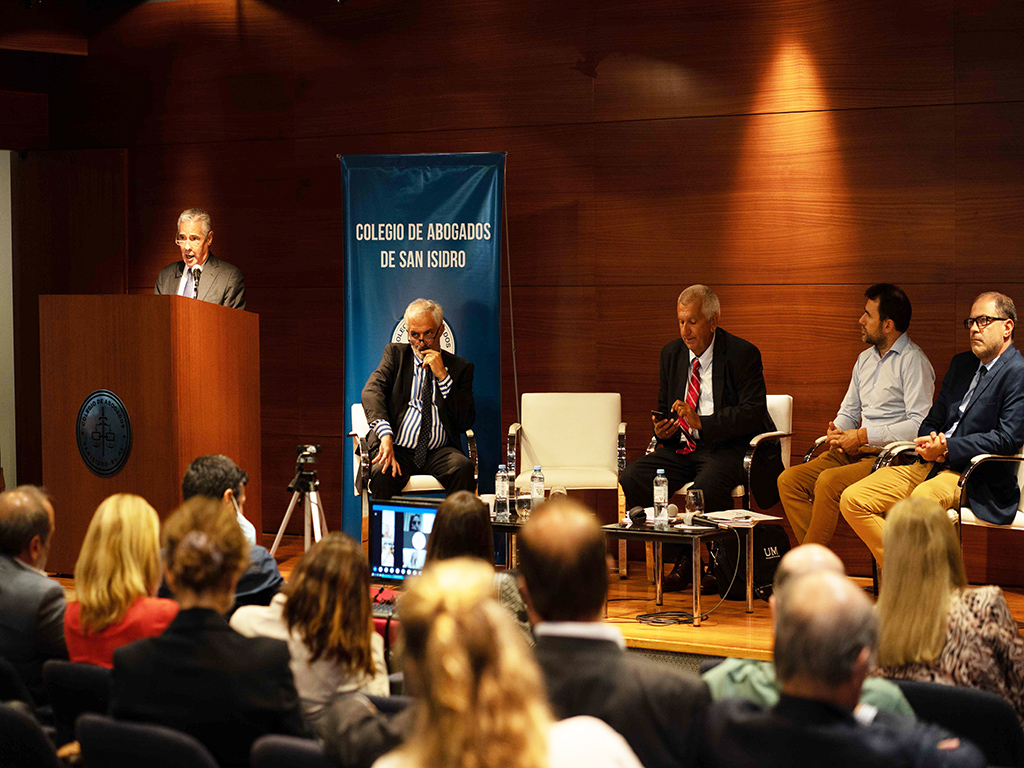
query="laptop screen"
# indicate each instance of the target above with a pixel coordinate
(398, 537)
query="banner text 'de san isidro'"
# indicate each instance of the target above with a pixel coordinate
(415, 258)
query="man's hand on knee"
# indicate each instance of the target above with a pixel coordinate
(386, 456)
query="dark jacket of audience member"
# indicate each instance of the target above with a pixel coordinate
(587, 671)
(200, 676)
(31, 604)
(825, 633)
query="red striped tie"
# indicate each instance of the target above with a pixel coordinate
(692, 398)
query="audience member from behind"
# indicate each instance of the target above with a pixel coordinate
(323, 613)
(482, 700)
(31, 604)
(116, 576)
(825, 636)
(932, 627)
(200, 676)
(756, 680)
(218, 477)
(462, 528)
(563, 570)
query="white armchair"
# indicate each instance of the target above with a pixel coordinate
(577, 437)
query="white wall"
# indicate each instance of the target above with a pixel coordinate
(7, 438)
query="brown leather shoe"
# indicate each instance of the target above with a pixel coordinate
(680, 577)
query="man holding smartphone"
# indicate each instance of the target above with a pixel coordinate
(712, 392)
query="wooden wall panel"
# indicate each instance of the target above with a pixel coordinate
(24, 120)
(989, 57)
(777, 198)
(68, 236)
(989, 192)
(669, 59)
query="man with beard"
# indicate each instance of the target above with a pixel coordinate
(889, 394)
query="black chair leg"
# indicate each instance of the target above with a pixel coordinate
(874, 576)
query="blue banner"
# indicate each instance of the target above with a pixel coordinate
(424, 226)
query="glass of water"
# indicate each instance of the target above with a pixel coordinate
(523, 506)
(695, 501)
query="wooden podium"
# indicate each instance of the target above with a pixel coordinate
(188, 374)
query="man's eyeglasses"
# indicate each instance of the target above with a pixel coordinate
(427, 336)
(189, 239)
(983, 321)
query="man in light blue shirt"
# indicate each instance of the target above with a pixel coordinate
(890, 392)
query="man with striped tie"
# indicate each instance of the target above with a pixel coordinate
(712, 387)
(418, 403)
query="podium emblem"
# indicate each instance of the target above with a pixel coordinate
(104, 433)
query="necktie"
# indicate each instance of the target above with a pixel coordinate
(692, 399)
(196, 272)
(426, 417)
(967, 398)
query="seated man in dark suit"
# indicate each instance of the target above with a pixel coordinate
(711, 386)
(825, 635)
(199, 274)
(980, 409)
(418, 403)
(31, 604)
(563, 572)
(218, 477)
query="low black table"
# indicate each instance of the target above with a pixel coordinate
(659, 537)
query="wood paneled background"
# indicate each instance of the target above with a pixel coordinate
(786, 153)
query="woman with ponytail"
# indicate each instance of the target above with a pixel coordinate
(200, 676)
(481, 698)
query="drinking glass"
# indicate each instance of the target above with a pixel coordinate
(695, 501)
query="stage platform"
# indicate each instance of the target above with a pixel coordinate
(728, 631)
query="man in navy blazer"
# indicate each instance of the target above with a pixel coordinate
(415, 382)
(979, 410)
(218, 281)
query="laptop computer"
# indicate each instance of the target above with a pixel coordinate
(398, 531)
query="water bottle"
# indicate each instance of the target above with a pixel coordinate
(501, 495)
(536, 488)
(660, 500)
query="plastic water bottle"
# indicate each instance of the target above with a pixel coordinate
(660, 500)
(501, 495)
(536, 488)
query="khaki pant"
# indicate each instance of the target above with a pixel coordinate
(865, 504)
(810, 492)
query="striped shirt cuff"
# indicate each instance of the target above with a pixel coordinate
(382, 428)
(445, 385)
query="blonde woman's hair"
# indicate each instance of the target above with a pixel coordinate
(923, 568)
(484, 704)
(119, 561)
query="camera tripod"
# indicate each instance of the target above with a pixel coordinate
(305, 487)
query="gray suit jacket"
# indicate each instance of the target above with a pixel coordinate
(31, 621)
(219, 283)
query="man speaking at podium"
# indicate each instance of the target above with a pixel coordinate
(418, 402)
(200, 274)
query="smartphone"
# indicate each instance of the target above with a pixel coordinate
(661, 415)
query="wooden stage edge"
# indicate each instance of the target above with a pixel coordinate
(728, 631)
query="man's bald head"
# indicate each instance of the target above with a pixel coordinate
(821, 629)
(805, 559)
(562, 560)
(25, 513)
